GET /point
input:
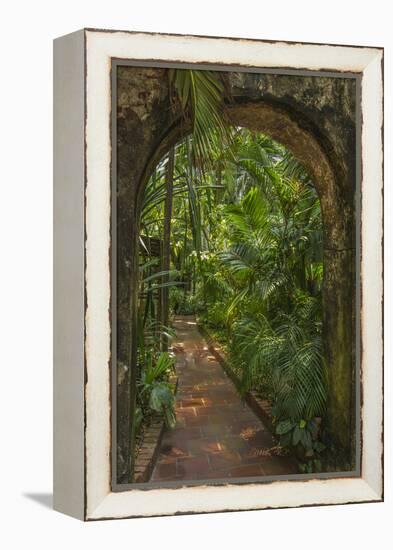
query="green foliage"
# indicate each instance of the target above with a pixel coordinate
(162, 400)
(246, 257)
(184, 303)
(304, 437)
(274, 259)
(156, 368)
(155, 392)
(200, 95)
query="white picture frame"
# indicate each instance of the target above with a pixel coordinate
(82, 179)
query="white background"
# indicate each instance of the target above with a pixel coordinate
(28, 28)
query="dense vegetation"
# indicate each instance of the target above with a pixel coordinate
(231, 231)
(246, 258)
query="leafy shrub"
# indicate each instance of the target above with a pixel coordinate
(216, 315)
(156, 393)
(184, 303)
(304, 437)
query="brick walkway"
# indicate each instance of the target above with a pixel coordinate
(216, 434)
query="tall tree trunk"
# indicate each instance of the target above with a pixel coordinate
(166, 247)
(159, 295)
(185, 278)
(218, 183)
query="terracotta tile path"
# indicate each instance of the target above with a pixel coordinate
(216, 434)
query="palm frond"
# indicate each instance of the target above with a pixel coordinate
(201, 95)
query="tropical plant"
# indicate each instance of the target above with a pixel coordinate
(156, 392)
(200, 95)
(275, 264)
(245, 233)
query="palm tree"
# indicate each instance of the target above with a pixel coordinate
(275, 261)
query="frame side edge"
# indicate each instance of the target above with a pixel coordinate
(68, 271)
(373, 274)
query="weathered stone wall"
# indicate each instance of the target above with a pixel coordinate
(315, 118)
(143, 116)
(321, 113)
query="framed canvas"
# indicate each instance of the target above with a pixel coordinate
(218, 274)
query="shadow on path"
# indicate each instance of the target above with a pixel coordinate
(216, 435)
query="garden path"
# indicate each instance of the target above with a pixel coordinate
(216, 435)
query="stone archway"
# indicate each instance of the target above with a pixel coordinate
(314, 117)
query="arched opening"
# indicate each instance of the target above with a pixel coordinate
(283, 126)
(244, 274)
